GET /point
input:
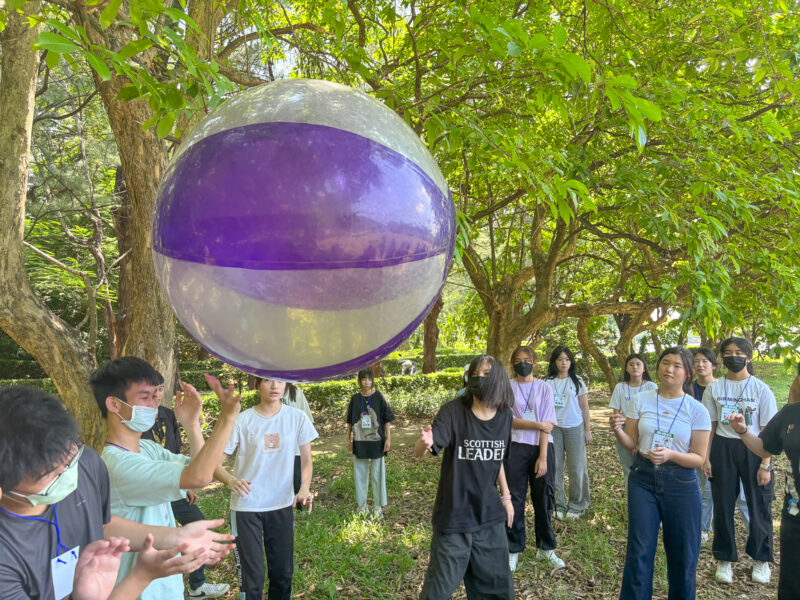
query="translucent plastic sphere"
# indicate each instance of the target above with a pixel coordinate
(302, 231)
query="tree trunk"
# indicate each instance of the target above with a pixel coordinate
(55, 345)
(656, 343)
(430, 337)
(122, 227)
(602, 361)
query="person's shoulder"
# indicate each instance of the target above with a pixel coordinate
(619, 387)
(91, 461)
(647, 396)
(649, 385)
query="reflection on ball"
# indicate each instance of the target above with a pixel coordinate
(302, 230)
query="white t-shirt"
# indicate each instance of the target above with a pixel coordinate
(724, 396)
(565, 398)
(624, 394)
(300, 402)
(265, 448)
(677, 418)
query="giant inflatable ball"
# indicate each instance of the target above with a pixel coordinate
(302, 231)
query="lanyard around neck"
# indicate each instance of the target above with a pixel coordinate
(54, 523)
(658, 420)
(527, 400)
(725, 388)
(369, 403)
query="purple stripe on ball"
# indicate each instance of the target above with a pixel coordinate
(298, 196)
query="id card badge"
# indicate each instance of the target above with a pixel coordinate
(559, 400)
(530, 415)
(662, 438)
(366, 422)
(62, 569)
(727, 411)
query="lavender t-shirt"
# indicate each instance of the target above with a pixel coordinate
(537, 396)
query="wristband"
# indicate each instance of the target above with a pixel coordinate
(505, 497)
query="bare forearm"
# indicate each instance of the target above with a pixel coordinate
(756, 445)
(691, 460)
(525, 425)
(501, 479)
(222, 475)
(163, 537)
(131, 587)
(200, 471)
(388, 431)
(194, 435)
(420, 448)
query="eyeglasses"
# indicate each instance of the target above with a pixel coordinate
(73, 464)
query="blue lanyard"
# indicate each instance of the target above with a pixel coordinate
(54, 523)
(725, 388)
(697, 392)
(364, 408)
(658, 420)
(564, 389)
(637, 390)
(141, 448)
(530, 391)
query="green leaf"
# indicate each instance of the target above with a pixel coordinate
(513, 49)
(100, 66)
(648, 109)
(575, 64)
(559, 35)
(641, 137)
(133, 48)
(129, 92)
(109, 13)
(52, 59)
(759, 74)
(537, 42)
(165, 125)
(55, 43)
(150, 122)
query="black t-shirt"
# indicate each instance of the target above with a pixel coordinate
(698, 391)
(467, 499)
(27, 546)
(165, 431)
(368, 442)
(782, 434)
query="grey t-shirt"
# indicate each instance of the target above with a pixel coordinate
(27, 547)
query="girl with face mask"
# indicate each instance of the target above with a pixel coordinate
(729, 461)
(531, 459)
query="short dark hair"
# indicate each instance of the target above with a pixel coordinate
(627, 376)
(709, 354)
(115, 377)
(365, 374)
(523, 349)
(37, 434)
(688, 364)
(496, 391)
(744, 345)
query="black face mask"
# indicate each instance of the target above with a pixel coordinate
(476, 385)
(734, 364)
(523, 369)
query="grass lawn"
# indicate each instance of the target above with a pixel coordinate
(342, 555)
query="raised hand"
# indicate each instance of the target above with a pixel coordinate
(188, 405)
(153, 564)
(200, 535)
(737, 423)
(96, 571)
(230, 403)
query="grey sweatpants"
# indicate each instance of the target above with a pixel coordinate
(570, 444)
(361, 473)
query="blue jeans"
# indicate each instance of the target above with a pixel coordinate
(669, 495)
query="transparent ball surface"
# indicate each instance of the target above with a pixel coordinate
(302, 231)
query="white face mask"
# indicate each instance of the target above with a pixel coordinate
(142, 417)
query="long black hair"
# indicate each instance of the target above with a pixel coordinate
(626, 377)
(495, 391)
(552, 369)
(744, 345)
(688, 364)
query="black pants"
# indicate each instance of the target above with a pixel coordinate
(479, 558)
(186, 513)
(520, 468)
(257, 533)
(789, 579)
(731, 461)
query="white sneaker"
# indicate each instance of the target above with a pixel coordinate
(560, 514)
(703, 537)
(362, 510)
(209, 590)
(513, 559)
(573, 516)
(377, 512)
(550, 556)
(724, 572)
(761, 572)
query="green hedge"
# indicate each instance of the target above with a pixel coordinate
(416, 396)
(21, 369)
(43, 384)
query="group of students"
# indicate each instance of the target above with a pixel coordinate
(77, 524)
